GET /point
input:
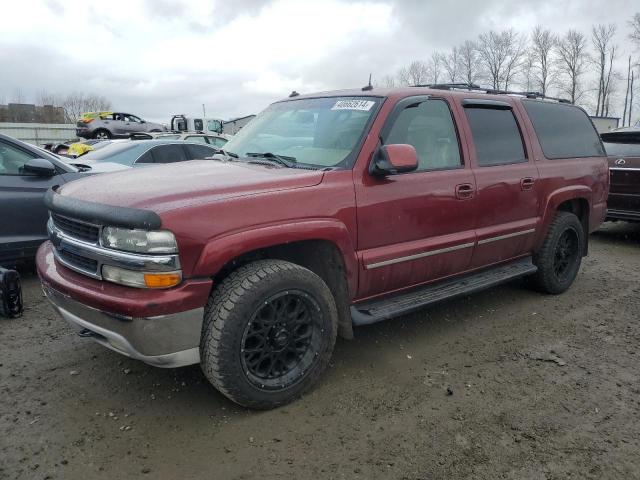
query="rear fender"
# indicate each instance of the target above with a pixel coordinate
(556, 199)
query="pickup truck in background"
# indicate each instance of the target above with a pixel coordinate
(325, 212)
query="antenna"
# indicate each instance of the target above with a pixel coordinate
(368, 87)
(293, 94)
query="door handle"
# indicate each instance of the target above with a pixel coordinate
(464, 191)
(526, 183)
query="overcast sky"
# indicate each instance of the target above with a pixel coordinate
(156, 58)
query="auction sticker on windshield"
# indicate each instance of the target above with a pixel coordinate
(364, 105)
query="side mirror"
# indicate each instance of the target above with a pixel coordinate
(394, 159)
(143, 121)
(40, 167)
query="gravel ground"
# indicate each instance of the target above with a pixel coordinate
(540, 387)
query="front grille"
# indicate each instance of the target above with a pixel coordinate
(73, 228)
(83, 263)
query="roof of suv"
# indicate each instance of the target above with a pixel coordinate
(458, 91)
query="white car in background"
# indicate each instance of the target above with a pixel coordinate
(217, 140)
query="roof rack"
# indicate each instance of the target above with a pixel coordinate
(472, 87)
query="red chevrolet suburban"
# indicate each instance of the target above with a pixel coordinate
(326, 211)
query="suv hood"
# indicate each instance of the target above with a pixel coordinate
(162, 188)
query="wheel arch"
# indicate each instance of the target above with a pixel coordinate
(575, 199)
(322, 246)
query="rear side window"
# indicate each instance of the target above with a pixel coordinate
(200, 151)
(168, 154)
(564, 131)
(146, 158)
(496, 136)
(196, 138)
(217, 141)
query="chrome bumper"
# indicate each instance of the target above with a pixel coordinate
(166, 341)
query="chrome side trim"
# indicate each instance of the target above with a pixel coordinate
(419, 255)
(448, 249)
(504, 237)
(628, 169)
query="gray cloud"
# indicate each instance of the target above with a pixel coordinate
(416, 28)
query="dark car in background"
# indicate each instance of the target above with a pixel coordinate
(138, 153)
(623, 149)
(103, 125)
(26, 173)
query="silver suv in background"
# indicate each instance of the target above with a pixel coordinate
(103, 125)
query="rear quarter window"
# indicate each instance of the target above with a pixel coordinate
(564, 131)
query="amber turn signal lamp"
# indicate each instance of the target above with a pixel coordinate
(162, 280)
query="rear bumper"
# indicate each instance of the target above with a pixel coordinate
(83, 132)
(625, 215)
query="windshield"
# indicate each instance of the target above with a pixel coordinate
(122, 153)
(321, 132)
(622, 149)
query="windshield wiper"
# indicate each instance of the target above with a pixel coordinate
(288, 162)
(227, 153)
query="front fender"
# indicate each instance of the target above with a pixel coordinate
(221, 250)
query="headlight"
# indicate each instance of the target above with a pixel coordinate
(139, 241)
(132, 278)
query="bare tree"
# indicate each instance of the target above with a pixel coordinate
(527, 71)
(43, 97)
(435, 67)
(493, 56)
(634, 23)
(631, 98)
(469, 61)
(452, 65)
(18, 96)
(388, 81)
(501, 54)
(415, 73)
(572, 58)
(626, 94)
(602, 38)
(76, 103)
(543, 44)
(516, 49)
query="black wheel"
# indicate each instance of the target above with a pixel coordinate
(559, 258)
(102, 134)
(268, 333)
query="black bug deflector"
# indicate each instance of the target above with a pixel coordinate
(100, 214)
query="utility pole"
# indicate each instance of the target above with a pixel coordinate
(204, 112)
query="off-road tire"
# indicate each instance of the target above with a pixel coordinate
(103, 131)
(228, 313)
(547, 279)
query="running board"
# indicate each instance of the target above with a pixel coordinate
(406, 302)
